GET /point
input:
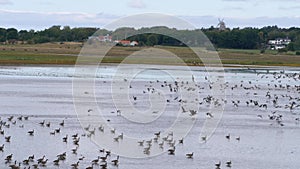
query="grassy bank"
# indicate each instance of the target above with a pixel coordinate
(56, 53)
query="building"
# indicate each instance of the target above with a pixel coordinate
(126, 43)
(106, 38)
(279, 43)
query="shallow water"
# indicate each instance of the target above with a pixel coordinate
(45, 93)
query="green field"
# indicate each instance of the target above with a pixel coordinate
(66, 54)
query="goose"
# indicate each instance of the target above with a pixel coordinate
(31, 158)
(65, 139)
(48, 124)
(41, 159)
(116, 161)
(62, 123)
(35, 165)
(180, 141)
(7, 138)
(31, 132)
(95, 161)
(218, 165)
(228, 163)
(141, 143)
(14, 166)
(42, 123)
(104, 165)
(62, 156)
(74, 150)
(238, 138)
(57, 130)
(75, 165)
(9, 157)
(20, 118)
(101, 128)
(26, 161)
(203, 138)
(157, 134)
(149, 141)
(10, 118)
(228, 136)
(171, 151)
(2, 147)
(190, 155)
(44, 162)
(92, 132)
(116, 139)
(76, 141)
(104, 158)
(56, 162)
(209, 115)
(121, 136)
(26, 117)
(118, 112)
(89, 167)
(161, 145)
(81, 158)
(113, 131)
(108, 152)
(102, 150)
(75, 136)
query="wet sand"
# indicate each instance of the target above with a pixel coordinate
(268, 137)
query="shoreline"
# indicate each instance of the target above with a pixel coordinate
(165, 65)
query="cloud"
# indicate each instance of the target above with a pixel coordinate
(235, 0)
(290, 8)
(5, 2)
(136, 4)
(42, 20)
(231, 22)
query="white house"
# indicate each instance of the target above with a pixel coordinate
(278, 43)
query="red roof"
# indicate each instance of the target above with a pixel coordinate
(124, 42)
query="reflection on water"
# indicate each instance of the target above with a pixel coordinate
(260, 137)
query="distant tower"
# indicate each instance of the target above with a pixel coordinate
(221, 25)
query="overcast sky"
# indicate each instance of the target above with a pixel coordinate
(41, 14)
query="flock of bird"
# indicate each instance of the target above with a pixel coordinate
(275, 102)
(101, 161)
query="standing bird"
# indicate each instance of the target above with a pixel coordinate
(116, 161)
(62, 123)
(218, 165)
(65, 139)
(42, 123)
(228, 136)
(2, 147)
(190, 155)
(7, 139)
(31, 132)
(228, 164)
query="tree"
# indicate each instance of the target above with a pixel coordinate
(152, 40)
(2, 35)
(12, 34)
(66, 34)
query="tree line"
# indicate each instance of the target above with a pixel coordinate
(236, 38)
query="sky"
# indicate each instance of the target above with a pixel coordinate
(41, 14)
